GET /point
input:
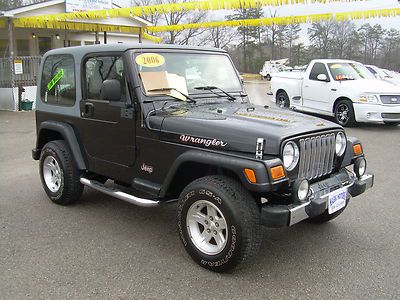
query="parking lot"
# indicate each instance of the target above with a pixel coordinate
(105, 248)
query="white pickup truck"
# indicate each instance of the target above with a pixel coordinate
(343, 89)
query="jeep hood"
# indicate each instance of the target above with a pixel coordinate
(234, 126)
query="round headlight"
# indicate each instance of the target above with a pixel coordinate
(290, 156)
(360, 167)
(301, 189)
(341, 143)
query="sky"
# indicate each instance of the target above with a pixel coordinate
(304, 9)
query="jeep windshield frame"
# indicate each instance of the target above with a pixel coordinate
(182, 62)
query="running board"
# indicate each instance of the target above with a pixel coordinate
(118, 194)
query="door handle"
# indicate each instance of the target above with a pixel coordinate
(89, 109)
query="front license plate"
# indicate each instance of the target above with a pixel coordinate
(337, 200)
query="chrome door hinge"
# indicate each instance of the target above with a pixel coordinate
(260, 148)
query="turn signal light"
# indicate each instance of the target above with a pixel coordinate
(277, 172)
(250, 175)
(357, 149)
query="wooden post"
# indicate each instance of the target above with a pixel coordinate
(140, 35)
(105, 37)
(11, 57)
(97, 41)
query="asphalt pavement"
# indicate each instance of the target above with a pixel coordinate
(105, 248)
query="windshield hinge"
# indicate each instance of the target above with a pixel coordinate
(260, 148)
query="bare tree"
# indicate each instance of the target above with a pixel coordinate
(222, 37)
(292, 35)
(153, 18)
(320, 35)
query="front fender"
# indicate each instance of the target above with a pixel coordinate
(228, 162)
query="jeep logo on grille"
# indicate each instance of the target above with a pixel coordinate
(393, 99)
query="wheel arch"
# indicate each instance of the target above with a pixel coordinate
(195, 164)
(338, 100)
(279, 91)
(52, 130)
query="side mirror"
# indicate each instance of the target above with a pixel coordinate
(111, 90)
(322, 77)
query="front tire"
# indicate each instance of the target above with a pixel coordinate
(59, 175)
(218, 223)
(344, 113)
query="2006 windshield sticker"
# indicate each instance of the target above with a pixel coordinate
(150, 60)
(55, 79)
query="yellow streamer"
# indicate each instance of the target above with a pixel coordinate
(2, 23)
(166, 8)
(354, 15)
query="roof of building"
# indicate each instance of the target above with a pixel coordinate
(11, 13)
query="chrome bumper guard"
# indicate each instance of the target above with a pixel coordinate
(276, 216)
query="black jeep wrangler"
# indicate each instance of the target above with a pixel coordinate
(165, 123)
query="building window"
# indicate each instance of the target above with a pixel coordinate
(99, 69)
(23, 48)
(88, 43)
(75, 43)
(4, 48)
(58, 80)
(44, 44)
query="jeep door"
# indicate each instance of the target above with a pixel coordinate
(107, 127)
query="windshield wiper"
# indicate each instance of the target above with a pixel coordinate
(188, 98)
(212, 90)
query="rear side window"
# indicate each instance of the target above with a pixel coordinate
(99, 69)
(317, 69)
(58, 80)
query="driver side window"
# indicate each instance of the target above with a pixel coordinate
(100, 69)
(318, 69)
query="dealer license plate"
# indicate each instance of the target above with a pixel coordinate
(337, 200)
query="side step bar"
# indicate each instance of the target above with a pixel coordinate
(118, 194)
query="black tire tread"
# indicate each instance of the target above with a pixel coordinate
(73, 188)
(247, 208)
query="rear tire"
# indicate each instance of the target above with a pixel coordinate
(218, 223)
(268, 77)
(282, 100)
(59, 175)
(344, 113)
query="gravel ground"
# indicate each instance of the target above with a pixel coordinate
(106, 248)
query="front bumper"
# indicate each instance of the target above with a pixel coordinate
(276, 216)
(376, 113)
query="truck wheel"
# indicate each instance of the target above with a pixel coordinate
(218, 223)
(59, 174)
(268, 77)
(344, 113)
(282, 100)
(326, 217)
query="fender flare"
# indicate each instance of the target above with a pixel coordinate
(231, 163)
(68, 134)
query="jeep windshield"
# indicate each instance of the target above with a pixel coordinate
(186, 72)
(349, 71)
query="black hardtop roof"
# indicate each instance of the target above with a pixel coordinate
(83, 50)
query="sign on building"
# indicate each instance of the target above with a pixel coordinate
(85, 5)
(18, 69)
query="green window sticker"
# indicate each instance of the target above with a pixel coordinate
(55, 79)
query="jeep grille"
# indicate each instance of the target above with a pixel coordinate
(317, 155)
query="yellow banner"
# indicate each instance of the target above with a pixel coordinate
(168, 7)
(2, 23)
(354, 15)
(79, 26)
